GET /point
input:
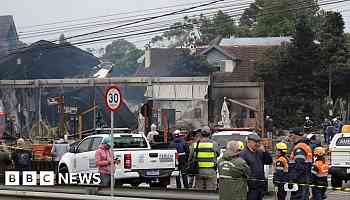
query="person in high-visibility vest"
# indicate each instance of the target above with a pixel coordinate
(319, 173)
(280, 168)
(300, 162)
(206, 151)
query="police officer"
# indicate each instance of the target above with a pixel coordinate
(256, 157)
(300, 164)
(308, 124)
(280, 170)
(234, 173)
(319, 173)
(206, 152)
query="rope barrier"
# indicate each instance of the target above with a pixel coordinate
(345, 189)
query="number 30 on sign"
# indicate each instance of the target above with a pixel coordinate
(113, 98)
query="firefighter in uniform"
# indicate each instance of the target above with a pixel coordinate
(206, 152)
(300, 163)
(280, 175)
(234, 173)
(319, 173)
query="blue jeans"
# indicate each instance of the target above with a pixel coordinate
(105, 180)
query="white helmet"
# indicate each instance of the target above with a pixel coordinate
(307, 117)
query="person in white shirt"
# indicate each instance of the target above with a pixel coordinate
(152, 133)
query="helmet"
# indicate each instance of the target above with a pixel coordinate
(307, 117)
(241, 145)
(319, 151)
(176, 133)
(282, 146)
(206, 131)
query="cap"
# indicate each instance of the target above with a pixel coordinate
(206, 130)
(107, 141)
(254, 137)
(296, 131)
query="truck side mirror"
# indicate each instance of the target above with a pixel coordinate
(73, 149)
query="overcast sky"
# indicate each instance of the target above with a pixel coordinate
(33, 12)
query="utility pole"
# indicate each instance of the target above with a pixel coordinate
(330, 100)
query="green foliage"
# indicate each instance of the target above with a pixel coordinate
(335, 53)
(288, 71)
(221, 25)
(276, 17)
(187, 32)
(123, 55)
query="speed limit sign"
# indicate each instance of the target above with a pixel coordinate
(113, 98)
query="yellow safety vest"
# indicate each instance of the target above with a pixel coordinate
(206, 155)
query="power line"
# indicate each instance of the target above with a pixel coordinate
(147, 19)
(129, 34)
(130, 20)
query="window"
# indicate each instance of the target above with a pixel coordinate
(96, 143)
(84, 145)
(251, 114)
(127, 141)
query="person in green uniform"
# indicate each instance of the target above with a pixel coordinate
(233, 174)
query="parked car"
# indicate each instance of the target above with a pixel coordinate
(139, 164)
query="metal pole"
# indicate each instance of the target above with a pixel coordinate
(39, 120)
(330, 91)
(112, 165)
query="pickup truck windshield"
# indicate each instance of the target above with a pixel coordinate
(129, 142)
(223, 139)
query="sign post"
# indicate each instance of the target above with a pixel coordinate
(113, 101)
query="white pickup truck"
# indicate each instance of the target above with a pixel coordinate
(340, 158)
(138, 163)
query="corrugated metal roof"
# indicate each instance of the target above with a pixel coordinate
(258, 41)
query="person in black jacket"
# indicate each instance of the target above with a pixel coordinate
(183, 152)
(256, 157)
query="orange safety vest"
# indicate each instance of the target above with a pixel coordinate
(281, 163)
(307, 150)
(322, 167)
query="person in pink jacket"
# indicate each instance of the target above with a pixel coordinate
(104, 160)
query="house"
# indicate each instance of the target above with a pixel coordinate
(8, 34)
(47, 60)
(234, 60)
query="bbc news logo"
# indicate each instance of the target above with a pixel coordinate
(48, 178)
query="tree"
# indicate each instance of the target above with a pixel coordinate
(335, 54)
(198, 31)
(276, 17)
(221, 25)
(289, 73)
(124, 56)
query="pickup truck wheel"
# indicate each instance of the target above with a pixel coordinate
(135, 183)
(164, 182)
(336, 182)
(63, 169)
